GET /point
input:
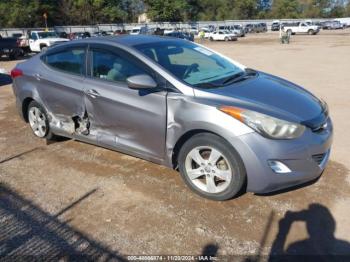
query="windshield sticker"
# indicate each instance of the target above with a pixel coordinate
(203, 51)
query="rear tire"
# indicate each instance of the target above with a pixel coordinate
(15, 54)
(43, 48)
(38, 121)
(209, 158)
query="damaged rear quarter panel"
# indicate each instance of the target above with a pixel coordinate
(60, 93)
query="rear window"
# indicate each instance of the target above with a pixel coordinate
(70, 61)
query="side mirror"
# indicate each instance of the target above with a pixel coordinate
(141, 82)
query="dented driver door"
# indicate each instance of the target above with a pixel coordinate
(133, 121)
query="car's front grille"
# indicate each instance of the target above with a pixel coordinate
(318, 158)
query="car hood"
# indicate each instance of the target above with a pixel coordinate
(270, 95)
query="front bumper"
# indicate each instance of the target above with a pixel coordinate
(306, 157)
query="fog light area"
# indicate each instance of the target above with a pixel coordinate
(278, 167)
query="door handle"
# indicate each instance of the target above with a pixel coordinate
(92, 93)
(37, 76)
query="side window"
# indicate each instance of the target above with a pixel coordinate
(112, 67)
(70, 61)
(33, 36)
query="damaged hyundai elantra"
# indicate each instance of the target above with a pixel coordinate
(225, 127)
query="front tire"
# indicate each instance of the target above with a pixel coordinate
(311, 32)
(38, 121)
(211, 167)
(43, 48)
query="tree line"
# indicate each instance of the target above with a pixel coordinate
(30, 13)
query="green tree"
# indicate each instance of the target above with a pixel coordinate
(166, 10)
(247, 9)
(286, 9)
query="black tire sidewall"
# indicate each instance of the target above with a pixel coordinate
(235, 162)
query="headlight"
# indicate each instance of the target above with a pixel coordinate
(266, 125)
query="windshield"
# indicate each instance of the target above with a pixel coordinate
(190, 63)
(47, 35)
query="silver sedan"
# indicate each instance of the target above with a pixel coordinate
(225, 127)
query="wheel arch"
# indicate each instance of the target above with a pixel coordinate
(188, 135)
(25, 105)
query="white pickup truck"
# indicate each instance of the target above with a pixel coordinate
(39, 40)
(301, 28)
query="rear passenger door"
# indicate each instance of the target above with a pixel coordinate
(59, 81)
(127, 119)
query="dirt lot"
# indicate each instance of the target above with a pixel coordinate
(73, 198)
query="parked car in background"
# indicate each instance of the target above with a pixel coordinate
(344, 21)
(80, 35)
(120, 32)
(39, 40)
(238, 30)
(10, 47)
(249, 28)
(263, 27)
(301, 28)
(17, 35)
(99, 34)
(332, 25)
(259, 28)
(22, 42)
(222, 35)
(139, 30)
(181, 35)
(63, 35)
(225, 127)
(193, 30)
(158, 31)
(275, 26)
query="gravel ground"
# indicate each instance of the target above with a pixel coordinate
(70, 198)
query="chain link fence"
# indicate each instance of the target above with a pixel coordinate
(7, 32)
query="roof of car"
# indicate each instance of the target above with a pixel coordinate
(129, 40)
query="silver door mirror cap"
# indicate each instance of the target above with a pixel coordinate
(141, 82)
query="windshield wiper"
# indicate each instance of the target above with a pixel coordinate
(233, 78)
(239, 77)
(206, 85)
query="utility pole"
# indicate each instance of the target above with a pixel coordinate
(45, 19)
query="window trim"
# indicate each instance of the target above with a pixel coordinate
(61, 49)
(123, 54)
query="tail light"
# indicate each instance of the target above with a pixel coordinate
(16, 72)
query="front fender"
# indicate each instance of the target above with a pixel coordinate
(185, 114)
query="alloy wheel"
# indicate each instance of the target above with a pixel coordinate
(208, 169)
(37, 121)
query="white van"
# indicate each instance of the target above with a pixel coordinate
(138, 30)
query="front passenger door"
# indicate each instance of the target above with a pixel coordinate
(126, 119)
